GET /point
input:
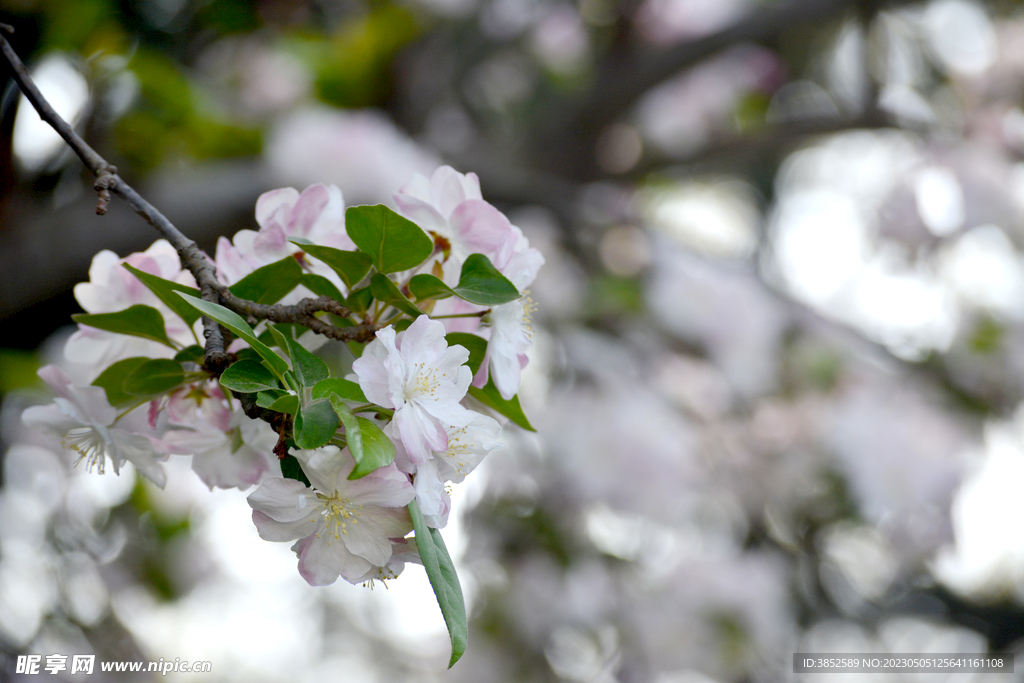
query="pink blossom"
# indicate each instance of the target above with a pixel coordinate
(112, 288)
(317, 214)
(450, 206)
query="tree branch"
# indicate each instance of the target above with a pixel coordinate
(772, 140)
(192, 258)
(570, 128)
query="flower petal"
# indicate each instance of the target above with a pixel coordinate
(272, 530)
(283, 500)
(321, 561)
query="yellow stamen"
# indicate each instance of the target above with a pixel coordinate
(89, 445)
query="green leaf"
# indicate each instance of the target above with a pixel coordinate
(387, 292)
(353, 437)
(269, 284)
(248, 353)
(191, 354)
(378, 450)
(315, 424)
(481, 283)
(112, 379)
(346, 389)
(490, 397)
(164, 290)
(291, 382)
(392, 242)
(308, 368)
(137, 321)
(477, 347)
(444, 580)
(265, 399)
(278, 335)
(248, 377)
(369, 446)
(425, 286)
(360, 299)
(288, 403)
(321, 286)
(291, 469)
(154, 377)
(237, 324)
(351, 266)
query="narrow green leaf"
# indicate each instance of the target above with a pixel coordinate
(481, 283)
(154, 377)
(425, 286)
(112, 379)
(269, 284)
(378, 450)
(291, 382)
(477, 347)
(237, 324)
(490, 397)
(164, 290)
(308, 368)
(248, 376)
(321, 286)
(351, 266)
(387, 292)
(315, 424)
(137, 321)
(191, 354)
(345, 389)
(444, 580)
(392, 242)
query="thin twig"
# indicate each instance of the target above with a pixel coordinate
(93, 161)
(192, 258)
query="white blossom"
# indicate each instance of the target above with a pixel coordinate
(468, 443)
(344, 527)
(228, 449)
(418, 375)
(82, 420)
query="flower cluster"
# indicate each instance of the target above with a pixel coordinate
(352, 447)
(451, 207)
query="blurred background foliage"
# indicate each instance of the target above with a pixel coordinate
(779, 352)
